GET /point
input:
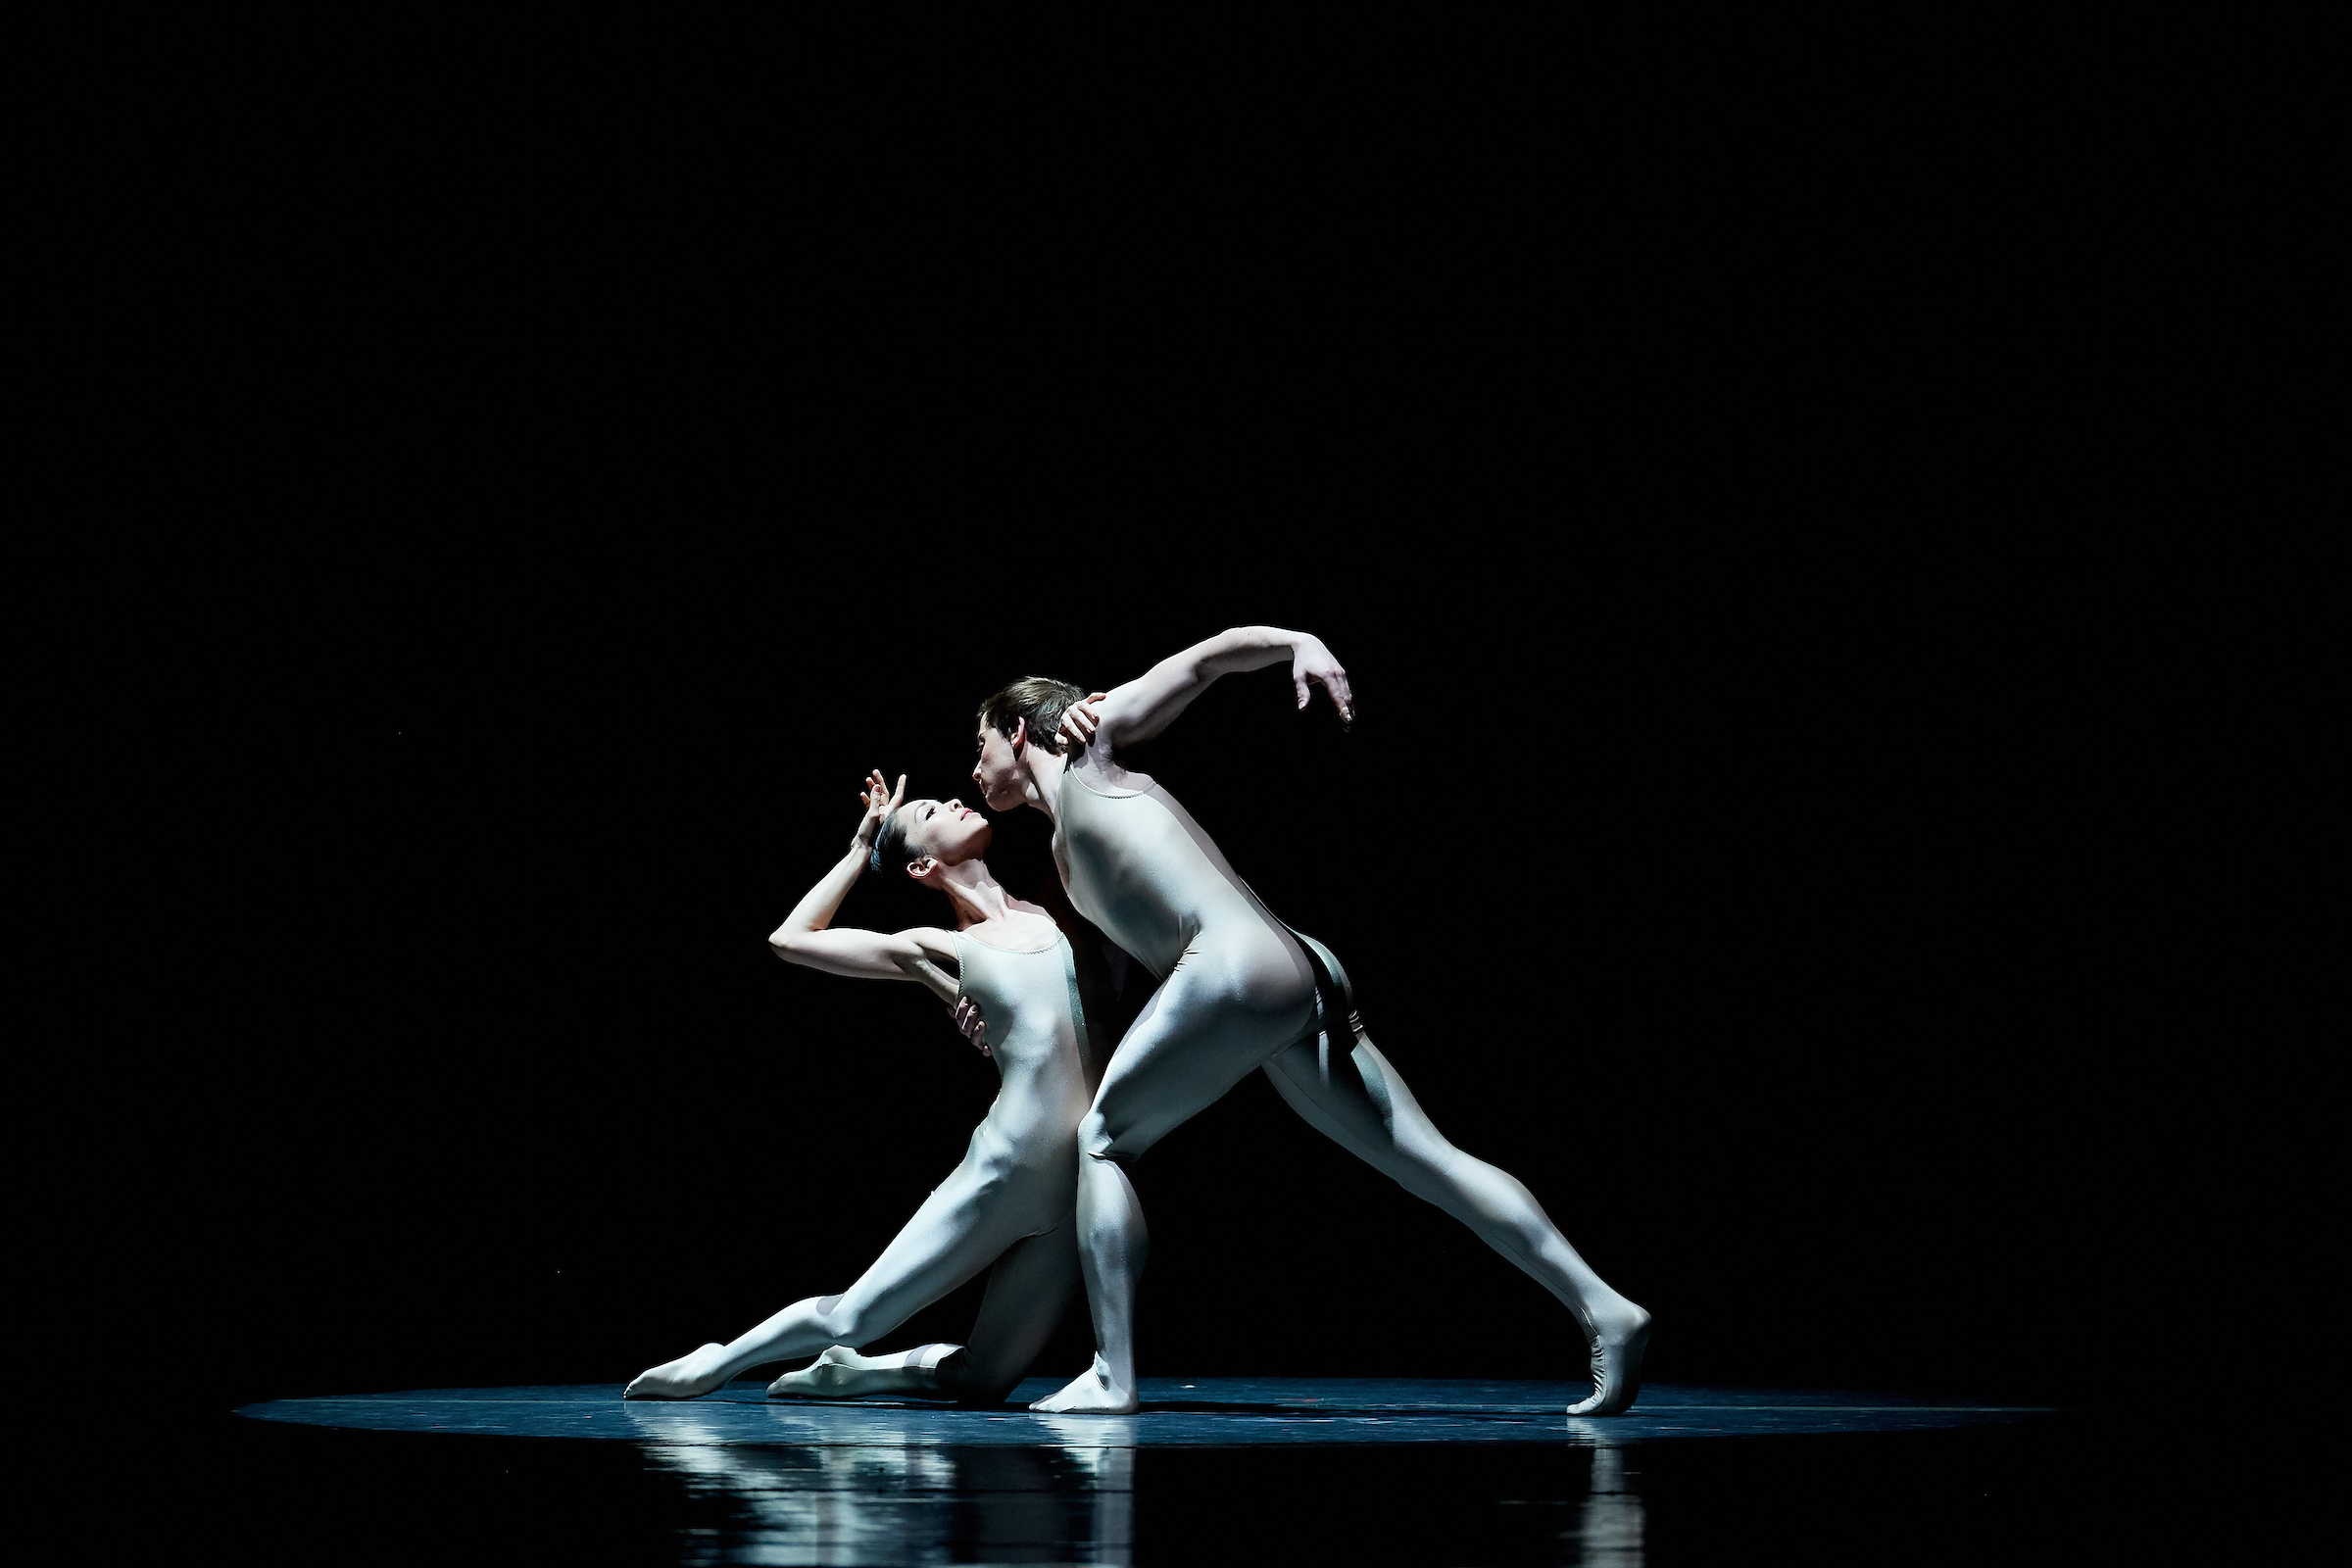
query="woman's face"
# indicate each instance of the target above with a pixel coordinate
(947, 831)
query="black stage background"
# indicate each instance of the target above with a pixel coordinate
(1738, 843)
(1755, 929)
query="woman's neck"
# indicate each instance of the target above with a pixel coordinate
(977, 896)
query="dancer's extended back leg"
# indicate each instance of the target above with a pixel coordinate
(1362, 1104)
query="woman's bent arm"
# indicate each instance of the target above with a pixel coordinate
(872, 955)
(913, 955)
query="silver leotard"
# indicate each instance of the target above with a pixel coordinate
(1009, 1201)
(1240, 991)
(1238, 986)
(1024, 1147)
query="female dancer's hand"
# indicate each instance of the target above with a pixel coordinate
(879, 801)
(1310, 660)
(969, 1023)
(1080, 720)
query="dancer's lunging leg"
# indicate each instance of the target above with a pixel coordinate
(1221, 1013)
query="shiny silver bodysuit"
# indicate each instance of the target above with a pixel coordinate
(1017, 1182)
(1236, 986)
(1239, 992)
(1008, 1203)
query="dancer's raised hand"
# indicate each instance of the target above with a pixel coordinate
(1080, 719)
(879, 800)
(1312, 662)
(969, 1024)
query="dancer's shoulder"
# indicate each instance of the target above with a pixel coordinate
(935, 941)
(1021, 931)
(1098, 771)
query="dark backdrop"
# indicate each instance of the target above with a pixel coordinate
(1727, 847)
(1746, 926)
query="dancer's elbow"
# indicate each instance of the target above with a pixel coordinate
(789, 946)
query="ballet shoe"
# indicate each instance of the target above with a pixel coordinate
(833, 1375)
(1090, 1392)
(1615, 1345)
(681, 1379)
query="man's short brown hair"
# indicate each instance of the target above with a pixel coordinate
(1038, 701)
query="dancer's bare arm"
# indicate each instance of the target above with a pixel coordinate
(916, 955)
(1144, 706)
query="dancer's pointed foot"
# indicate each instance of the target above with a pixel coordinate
(1090, 1392)
(837, 1373)
(689, 1375)
(1619, 1335)
(841, 1373)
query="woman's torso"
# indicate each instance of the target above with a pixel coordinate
(1037, 1038)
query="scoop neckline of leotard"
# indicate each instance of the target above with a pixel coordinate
(1114, 792)
(1016, 952)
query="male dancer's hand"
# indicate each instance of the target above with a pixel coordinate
(1312, 662)
(1079, 720)
(965, 1016)
(879, 802)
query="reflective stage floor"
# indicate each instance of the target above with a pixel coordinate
(1222, 1411)
(1213, 1470)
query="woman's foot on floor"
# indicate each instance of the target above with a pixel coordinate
(841, 1373)
(1090, 1392)
(1619, 1337)
(682, 1379)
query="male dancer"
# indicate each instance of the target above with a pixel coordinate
(1240, 991)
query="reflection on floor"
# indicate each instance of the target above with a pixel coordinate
(916, 1503)
(1216, 1471)
(1196, 1411)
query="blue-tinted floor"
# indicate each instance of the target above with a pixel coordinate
(1220, 1411)
(1217, 1470)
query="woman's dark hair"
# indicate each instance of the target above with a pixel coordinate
(890, 843)
(1038, 701)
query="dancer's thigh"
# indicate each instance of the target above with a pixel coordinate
(1028, 1291)
(956, 1233)
(1194, 1042)
(1362, 1103)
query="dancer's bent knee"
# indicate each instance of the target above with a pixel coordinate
(842, 1323)
(1096, 1141)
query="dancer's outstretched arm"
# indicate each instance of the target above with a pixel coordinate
(1142, 708)
(916, 955)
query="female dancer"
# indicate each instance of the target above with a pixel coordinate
(1016, 995)
(1239, 990)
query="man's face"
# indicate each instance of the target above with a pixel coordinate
(998, 775)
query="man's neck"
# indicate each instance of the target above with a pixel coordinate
(1045, 772)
